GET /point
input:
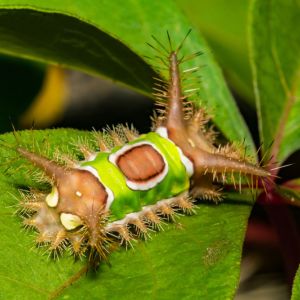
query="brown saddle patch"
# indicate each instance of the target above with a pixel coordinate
(141, 163)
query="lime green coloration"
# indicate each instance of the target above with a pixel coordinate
(127, 200)
(209, 245)
(296, 286)
(275, 48)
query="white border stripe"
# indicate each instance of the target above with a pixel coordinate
(189, 166)
(110, 194)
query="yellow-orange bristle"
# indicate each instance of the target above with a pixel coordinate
(185, 204)
(153, 218)
(130, 133)
(167, 211)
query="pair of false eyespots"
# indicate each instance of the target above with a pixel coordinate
(69, 221)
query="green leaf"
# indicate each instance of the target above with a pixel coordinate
(296, 286)
(275, 46)
(197, 257)
(223, 24)
(109, 38)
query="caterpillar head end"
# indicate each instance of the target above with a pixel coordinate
(81, 205)
(73, 214)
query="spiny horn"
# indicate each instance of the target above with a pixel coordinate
(219, 163)
(51, 169)
(175, 111)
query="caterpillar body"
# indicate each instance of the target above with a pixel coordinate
(122, 191)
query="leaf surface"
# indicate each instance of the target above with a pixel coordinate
(190, 258)
(86, 35)
(196, 257)
(223, 24)
(275, 46)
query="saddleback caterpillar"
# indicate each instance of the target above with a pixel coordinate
(122, 191)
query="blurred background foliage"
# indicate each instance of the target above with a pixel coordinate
(20, 83)
(223, 23)
(56, 97)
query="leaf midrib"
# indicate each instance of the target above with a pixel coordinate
(59, 290)
(290, 99)
(26, 284)
(289, 93)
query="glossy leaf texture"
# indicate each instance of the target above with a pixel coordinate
(274, 50)
(187, 260)
(86, 35)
